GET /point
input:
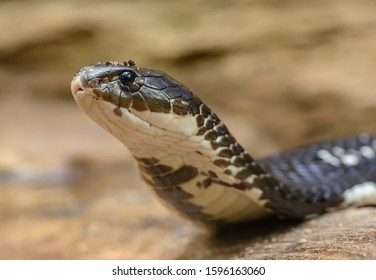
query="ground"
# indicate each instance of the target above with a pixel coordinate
(278, 73)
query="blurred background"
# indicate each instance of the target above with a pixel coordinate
(280, 73)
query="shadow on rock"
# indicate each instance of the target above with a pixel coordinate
(239, 241)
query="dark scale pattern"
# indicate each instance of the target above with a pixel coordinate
(294, 184)
(163, 176)
(173, 193)
(155, 170)
(229, 152)
(305, 183)
(205, 183)
(165, 182)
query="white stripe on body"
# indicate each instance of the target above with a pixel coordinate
(361, 194)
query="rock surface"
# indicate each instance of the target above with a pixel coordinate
(279, 73)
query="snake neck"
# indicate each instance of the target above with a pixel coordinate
(205, 175)
(211, 151)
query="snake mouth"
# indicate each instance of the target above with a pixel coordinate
(76, 86)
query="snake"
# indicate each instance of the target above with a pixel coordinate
(191, 161)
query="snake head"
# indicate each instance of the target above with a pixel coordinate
(128, 100)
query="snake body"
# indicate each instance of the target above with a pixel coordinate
(193, 163)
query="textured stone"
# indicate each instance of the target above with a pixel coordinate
(70, 191)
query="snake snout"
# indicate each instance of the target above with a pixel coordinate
(76, 85)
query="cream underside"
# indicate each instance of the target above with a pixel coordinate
(175, 150)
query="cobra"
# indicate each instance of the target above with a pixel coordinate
(193, 163)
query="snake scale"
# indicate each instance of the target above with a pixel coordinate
(193, 163)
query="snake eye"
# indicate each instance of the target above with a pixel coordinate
(126, 78)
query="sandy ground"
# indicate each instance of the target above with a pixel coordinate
(279, 73)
